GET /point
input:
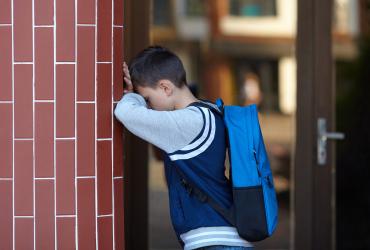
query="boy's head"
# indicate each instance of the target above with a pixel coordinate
(156, 73)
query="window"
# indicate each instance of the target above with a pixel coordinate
(257, 82)
(195, 8)
(162, 13)
(252, 8)
(345, 17)
(272, 18)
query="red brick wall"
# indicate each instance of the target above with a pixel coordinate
(61, 178)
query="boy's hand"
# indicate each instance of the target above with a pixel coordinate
(127, 79)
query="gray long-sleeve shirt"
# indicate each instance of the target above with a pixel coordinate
(168, 130)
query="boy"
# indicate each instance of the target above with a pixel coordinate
(159, 108)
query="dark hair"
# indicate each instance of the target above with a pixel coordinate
(155, 63)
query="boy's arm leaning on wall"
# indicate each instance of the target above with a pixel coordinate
(168, 130)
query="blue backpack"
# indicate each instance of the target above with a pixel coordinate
(254, 212)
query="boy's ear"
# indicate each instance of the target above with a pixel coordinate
(167, 86)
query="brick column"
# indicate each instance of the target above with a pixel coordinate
(61, 178)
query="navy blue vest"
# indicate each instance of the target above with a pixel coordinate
(203, 164)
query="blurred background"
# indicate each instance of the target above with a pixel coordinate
(244, 52)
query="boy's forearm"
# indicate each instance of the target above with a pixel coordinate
(168, 130)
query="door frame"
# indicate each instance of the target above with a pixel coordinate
(314, 185)
(136, 38)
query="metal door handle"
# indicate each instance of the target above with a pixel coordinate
(322, 137)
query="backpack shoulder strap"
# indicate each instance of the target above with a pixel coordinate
(228, 214)
(205, 104)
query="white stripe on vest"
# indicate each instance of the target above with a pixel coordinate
(209, 125)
